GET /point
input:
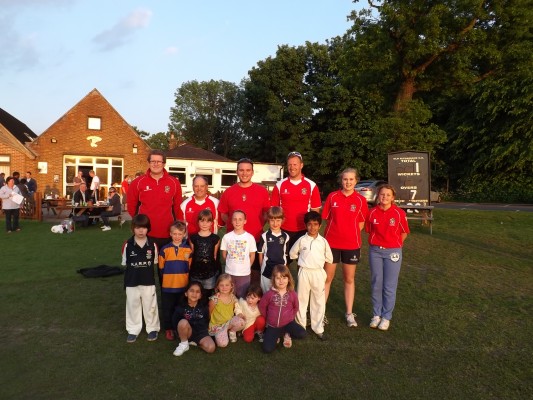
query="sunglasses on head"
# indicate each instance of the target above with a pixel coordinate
(295, 154)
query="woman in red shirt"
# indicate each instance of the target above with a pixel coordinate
(387, 229)
(345, 211)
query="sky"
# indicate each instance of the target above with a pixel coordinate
(137, 54)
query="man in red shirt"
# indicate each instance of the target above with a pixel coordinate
(249, 197)
(158, 195)
(297, 195)
(199, 201)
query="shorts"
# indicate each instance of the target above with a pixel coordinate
(197, 336)
(346, 256)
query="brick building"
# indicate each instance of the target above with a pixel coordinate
(90, 136)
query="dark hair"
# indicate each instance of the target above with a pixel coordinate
(201, 300)
(140, 221)
(312, 216)
(255, 289)
(245, 160)
(205, 214)
(9, 178)
(157, 152)
(23, 180)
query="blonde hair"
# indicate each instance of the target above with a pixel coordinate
(284, 271)
(224, 277)
(275, 212)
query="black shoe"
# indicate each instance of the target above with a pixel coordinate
(322, 336)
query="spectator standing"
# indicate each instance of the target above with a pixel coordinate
(297, 195)
(124, 190)
(95, 185)
(2, 179)
(345, 211)
(158, 195)
(16, 177)
(199, 201)
(31, 184)
(77, 180)
(9, 205)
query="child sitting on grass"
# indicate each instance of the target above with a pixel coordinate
(225, 312)
(191, 319)
(139, 254)
(279, 307)
(254, 322)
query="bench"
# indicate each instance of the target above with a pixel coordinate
(420, 213)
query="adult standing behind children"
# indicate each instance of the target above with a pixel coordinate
(158, 195)
(387, 229)
(345, 211)
(249, 197)
(139, 255)
(297, 195)
(10, 207)
(200, 200)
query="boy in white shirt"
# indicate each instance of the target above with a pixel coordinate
(312, 251)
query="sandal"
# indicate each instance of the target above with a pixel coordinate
(287, 341)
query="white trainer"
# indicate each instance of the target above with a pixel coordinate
(106, 228)
(350, 320)
(384, 324)
(232, 336)
(182, 348)
(374, 322)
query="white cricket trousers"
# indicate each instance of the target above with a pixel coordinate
(311, 291)
(141, 300)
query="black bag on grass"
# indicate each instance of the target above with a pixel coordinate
(100, 271)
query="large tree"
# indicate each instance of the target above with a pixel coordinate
(208, 115)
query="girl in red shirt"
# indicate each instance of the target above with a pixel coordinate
(387, 229)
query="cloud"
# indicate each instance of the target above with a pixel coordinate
(122, 32)
(16, 51)
(171, 50)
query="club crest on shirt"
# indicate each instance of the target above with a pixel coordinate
(304, 191)
(243, 197)
(149, 254)
(352, 208)
(281, 240)
(392, 222)
(167, 189)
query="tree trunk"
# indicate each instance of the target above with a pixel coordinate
(405, 94)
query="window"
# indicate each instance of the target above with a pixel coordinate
(180, 173)
(94, 123)
(229, 177)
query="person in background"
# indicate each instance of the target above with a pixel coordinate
(200, 200)
(139, 254)
(31, 183)
(2, 179)
(250, 197)
(387, 230)
(77, 180)
(124, 190)
(113, 210)
(10, 207)
(345, 211)
(95, 185)
(158, 195)
(81, 197)
(297, 195)
(16, 177)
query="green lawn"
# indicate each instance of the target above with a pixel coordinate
(461, 328)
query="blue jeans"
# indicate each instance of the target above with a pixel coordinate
(385, 267)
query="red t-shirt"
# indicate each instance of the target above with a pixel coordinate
(344, 214)
(384, 228)
(253, 200)
(191, 208)
(296, 200)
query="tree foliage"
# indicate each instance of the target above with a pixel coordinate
(208, 115)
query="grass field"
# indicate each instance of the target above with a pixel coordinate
(461, 328)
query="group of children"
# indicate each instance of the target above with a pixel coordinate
(189, 274)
